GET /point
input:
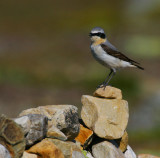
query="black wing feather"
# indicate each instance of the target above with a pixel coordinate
(117, 54)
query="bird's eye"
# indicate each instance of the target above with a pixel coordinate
(102, 35)
(99, 34)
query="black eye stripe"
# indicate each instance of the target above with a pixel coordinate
(102, 35)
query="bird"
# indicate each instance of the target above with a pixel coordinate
(108, 55)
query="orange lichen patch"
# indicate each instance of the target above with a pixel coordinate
(123, 142)
(84, 135)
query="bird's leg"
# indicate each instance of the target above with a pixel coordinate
(114, 72)
(104, 83)
(107, 78)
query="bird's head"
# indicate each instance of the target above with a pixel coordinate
(97, 35)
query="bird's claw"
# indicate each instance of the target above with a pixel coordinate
(103, 85)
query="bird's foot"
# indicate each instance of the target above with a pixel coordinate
(103, 85)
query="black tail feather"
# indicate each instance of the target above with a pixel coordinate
(139, 67)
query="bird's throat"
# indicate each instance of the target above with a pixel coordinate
(100, 41)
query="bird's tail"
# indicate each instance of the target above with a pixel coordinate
(139, 67)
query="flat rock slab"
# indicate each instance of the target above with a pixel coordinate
(108, 92)
(64, 117)
(108, 118)
(106, 150)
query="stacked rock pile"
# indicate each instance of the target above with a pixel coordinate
(56, 131)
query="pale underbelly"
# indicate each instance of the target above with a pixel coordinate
(111, 62)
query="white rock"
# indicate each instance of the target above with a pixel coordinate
(4, 153)
(24, 122)
(106, 150)
(108, 118)
(129, 153)
(89, 155)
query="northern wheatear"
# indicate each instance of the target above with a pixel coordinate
(108, 55)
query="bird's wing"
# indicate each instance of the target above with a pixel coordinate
(110, 45)
(117, 54)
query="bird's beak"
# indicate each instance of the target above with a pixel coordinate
(90, 35)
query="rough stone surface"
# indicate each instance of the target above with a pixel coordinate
(64, 117)
(54, 132)
(77, 154)
(46, 149)
(10, 131)
(76, 150)
(123, 142)
(38, 128)
(106, 150)
(89, 155)
(107, 118)
(28, 155)
(147, 156)
(85, 136)
(129, 153)
(109, 92)
(4, 153)
(19, 149)
(65, 147)
(12, 136)
(24, 122)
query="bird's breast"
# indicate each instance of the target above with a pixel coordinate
(105, 59)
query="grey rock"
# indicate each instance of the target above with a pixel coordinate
(64, 117)
(38, 128)
(129, 153)
(77, 154)
(106, 150)
(4, 153)
(24, 122)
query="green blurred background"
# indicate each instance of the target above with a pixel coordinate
(45, 58)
